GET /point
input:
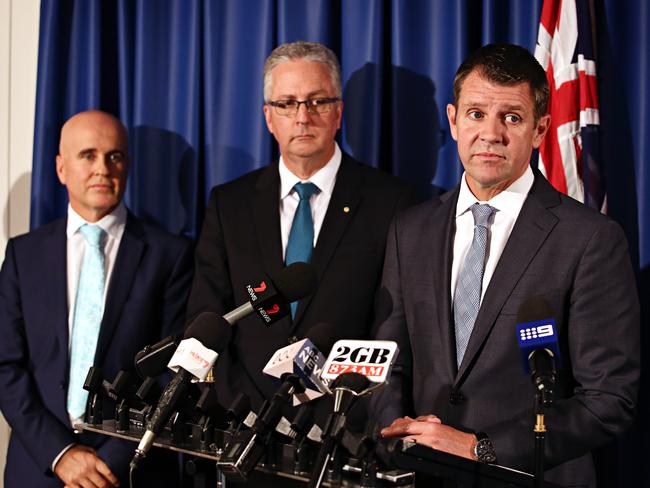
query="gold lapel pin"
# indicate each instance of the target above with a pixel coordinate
(346, 209)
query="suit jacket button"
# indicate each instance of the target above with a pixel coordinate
(456, 397)
(62, 385)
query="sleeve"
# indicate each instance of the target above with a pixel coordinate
(393, 400)
(42, 434)
(602, 364)
(211, 290)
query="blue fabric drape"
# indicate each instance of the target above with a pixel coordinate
(185, 76)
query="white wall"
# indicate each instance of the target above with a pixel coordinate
(19, 20)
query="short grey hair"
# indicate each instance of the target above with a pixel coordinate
(310, 51)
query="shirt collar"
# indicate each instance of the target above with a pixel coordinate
(324, 178)
(509, 200)
(113, 223)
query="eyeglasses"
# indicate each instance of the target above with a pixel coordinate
(289, 108)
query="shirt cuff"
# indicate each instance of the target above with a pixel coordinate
(60, 455)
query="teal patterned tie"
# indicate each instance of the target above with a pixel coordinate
(301, 237)
(88, 311)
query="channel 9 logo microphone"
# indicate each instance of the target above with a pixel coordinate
(536, 331)
(538, 343)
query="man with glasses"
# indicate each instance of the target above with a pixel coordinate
(316, 204)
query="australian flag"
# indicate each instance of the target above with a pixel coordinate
(569, 155)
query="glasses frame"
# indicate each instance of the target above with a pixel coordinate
(311, 104)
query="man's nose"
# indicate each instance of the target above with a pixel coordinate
(100, 166)
(303, 115)
(493, 130)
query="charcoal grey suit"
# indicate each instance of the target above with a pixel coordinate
(574, 257)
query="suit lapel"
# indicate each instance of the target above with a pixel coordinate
(132, 247)
(443, 225)
(531, 229)
(265, 208)
(346, 195)
(265, 211)
(55, 277)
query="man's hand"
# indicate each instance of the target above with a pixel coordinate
(81, 467)
(430, 431)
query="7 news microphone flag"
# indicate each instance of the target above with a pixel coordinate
(569, 156)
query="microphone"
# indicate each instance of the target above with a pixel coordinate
(346, 388)
(193, 358)
(297, 368)
(304, 360)
(270, 298)
(355, 368)
(372, 359)
(125, 387)
(152, 360)
(94, 385)
(537, 336)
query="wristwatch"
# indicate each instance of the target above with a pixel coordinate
(484, 450)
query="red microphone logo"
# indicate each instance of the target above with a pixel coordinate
(274, 309)
(260, 288)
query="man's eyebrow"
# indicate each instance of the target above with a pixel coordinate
(86, 150)
(515, 107)
(309, 95)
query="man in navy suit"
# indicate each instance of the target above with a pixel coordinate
(145, 277)
(501, 237)
(250, 225)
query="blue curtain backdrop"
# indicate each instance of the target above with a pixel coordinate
(185, 76)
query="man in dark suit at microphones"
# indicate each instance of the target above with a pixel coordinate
(90, 289)
(316, 204)
(461, 269)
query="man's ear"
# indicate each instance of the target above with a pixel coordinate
(60, 168)
(267, 117)
(451, 117)
(541, 129)
(340, 113)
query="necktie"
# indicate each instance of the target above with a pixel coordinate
(301, 236)
(88, 311)
(467, 297)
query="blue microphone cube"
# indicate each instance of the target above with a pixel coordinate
(541, 334)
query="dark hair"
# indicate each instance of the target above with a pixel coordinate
(506, 64)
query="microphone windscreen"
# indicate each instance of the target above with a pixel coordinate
(533, 309)
(211, 330)
(322, 337)
(295, 281)
(352, 381)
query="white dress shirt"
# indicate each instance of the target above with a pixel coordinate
(113, 224)
(324, 179)
(508, 203)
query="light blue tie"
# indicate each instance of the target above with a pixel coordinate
(301, 236)
(467, 296)
(88, 311)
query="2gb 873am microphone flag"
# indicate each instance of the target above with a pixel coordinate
(569, 156)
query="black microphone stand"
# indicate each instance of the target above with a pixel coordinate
(543, 374)
(540, 437)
